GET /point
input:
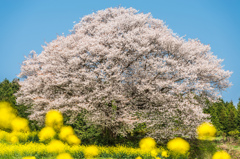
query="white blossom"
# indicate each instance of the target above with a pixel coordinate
(124, 68)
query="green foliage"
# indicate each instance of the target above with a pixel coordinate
(7, 91)
(201, 149)
(91, 134)
(234, 133)
(219, 133)
(224, 116)
(231, 121)
(238, 116)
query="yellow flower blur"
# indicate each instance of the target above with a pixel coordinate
(73, 140)
(206, 131)
(54, 119)
(154, 153)
(64, 156)
(20, 124)
(29, 157)
(3, 135)
(52, 150)
(46, 133)
(22, 136)
(147, 144)
(164, 153)
(91, 151)
(178, 145)
(138, 157)
(65, 132)
(221, 155)
(7, 114)
(55, 146)
(14, 139)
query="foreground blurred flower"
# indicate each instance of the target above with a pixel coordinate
(65, 132)
(154, 153)
(22, 136)
(46, 133)
(164, 153)
(64, 156)
(55, 146)
(178, 145)
(14, 139)
(54, 119)
(29, 157)
(20, 124)
(147, 144)
(221, 155)
(7, 114)
(3, 135)
(91, 151)
(138, 157)
(206, 131)
(73, 140)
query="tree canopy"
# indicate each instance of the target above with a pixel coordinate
(124, 68)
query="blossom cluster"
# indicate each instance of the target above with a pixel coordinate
(124, 68)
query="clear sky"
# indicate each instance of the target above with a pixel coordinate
(26, 25)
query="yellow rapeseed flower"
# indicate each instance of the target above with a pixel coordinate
(73, 140)
(7, 114)
(22, 136)
(65, 132)
(29, 157)
(147, 144)
(46, 133)
(3, 135)
(20, 124)
(14, 139)
(154, 153)
(64, 156)
(206, 131)
(178, 145)
(138, 157)
(221, 155)
(54, 119)
(55, 146)
(164, 153)
(91, 151)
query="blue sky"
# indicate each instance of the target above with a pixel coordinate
(26, 25)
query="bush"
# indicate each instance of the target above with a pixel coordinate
(201, 149)
(92, 134)
(219, 133)
(234, 133)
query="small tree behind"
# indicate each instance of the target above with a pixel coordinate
(238, 116)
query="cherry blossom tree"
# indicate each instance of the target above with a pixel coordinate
(124, 68)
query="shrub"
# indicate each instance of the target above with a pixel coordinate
(234, 134)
